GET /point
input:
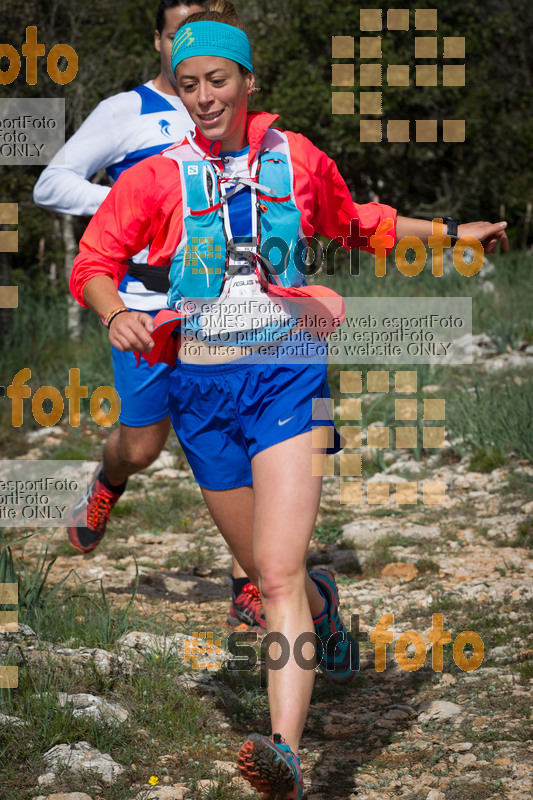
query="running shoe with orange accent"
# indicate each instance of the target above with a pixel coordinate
(271, 767)
(247, 610)
(97, 503)
(338, 652)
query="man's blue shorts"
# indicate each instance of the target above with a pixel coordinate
(143, 392)
(225, 414)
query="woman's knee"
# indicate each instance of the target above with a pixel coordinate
(281, 581)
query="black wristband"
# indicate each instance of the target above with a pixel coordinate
(452, 226)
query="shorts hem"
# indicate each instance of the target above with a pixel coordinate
(314, 424)
(222, 488)
(144, 422)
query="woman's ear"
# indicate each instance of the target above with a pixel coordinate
(250, 80)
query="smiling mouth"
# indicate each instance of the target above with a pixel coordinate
(210, 117)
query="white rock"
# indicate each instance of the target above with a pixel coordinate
(48, 779)
(41, 433)
(69, 796)
(178, 643)
(466, 760)
(93, 707)
(80, 659)
(228, 767)
(396, 713)
(81, 758)
(24, 631)
(206, 784)
(500, 652)
(367, 532)
(507, 361)
(470, 348)
(438, 709)
(434, 794)
(421, 531)
(387, 478)
(165, 460)
(167, 472)
(5, 719)
(176, 792)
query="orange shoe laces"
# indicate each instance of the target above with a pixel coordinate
(251, 591)
(100, 510)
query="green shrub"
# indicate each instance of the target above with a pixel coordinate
(494, 417)
(486, 460)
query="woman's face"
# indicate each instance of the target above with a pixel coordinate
(214, 92)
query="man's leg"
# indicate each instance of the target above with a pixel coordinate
(133, 446)
(129, 450)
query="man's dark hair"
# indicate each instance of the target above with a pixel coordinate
(164, 4)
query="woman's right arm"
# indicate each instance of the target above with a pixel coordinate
(143, 208)
(128, 330)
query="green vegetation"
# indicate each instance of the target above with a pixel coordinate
(496, 415)
(329, 531)
(486, 461)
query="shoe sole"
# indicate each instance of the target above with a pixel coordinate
(76, 544)
(261, 766)
(237, 625)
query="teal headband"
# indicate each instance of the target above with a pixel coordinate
(207, 38)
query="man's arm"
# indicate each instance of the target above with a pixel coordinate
(64, 185)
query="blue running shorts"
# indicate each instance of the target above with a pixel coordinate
(224, 414)
(143, 392)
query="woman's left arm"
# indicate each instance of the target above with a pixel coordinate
(488, 233)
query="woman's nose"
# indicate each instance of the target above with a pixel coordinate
(204, 92)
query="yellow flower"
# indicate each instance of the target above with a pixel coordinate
(153, 780)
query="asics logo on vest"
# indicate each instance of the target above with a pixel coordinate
(184, 39)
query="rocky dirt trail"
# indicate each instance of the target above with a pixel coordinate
(454, 734)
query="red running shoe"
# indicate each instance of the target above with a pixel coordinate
(247, 609)
(271, 767)
(97, 503)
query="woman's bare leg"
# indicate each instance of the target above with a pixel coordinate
(233, 512)
(287, 498)
(280, 510)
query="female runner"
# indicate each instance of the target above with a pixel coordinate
(249, 415)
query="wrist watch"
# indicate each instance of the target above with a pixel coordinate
(452, 225)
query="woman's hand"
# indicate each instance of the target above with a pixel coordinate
(488, 233)
(130, 330)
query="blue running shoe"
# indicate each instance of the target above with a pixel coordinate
(271, 767)
(338, 655)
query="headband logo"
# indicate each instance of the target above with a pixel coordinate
(184, 39)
